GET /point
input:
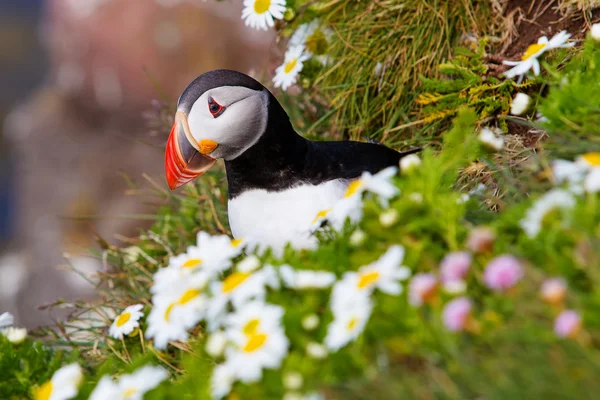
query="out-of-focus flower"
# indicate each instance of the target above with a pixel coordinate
(357, 238)
(595, 31)
(305, 279)
(315, 37)
(554, 199)
(503, 272)
(14, 335)
(63, 385)
(422, 289)
(249, 264)
(6, 319)
(310, 322)
(287, 73)
(409, 163)
(215, 344)
(554, 291)
(453, 270)
(293, 380)
(567, 324)
(529, 60)
(316, 350)
(126, 322)
(490, 139)
(221, 381)
(129, 387)
(260, 14)
(388, 217)
(456, 314)
(520, 104)
(348, 324)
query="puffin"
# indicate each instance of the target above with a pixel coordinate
(278, 180)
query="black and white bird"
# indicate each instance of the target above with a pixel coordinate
(278, 180)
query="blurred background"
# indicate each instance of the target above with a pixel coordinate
(82, 86)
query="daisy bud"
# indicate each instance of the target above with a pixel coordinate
(289, 14)
(409, 162)
(567, 324)
(502, 273)
(310, 322)
(293, 380)
(416, 197)
(456, 314)
(388, 217)
(520, 104)
(215, 345)
(248, 264)
(596, 31)
(553, 291)
(453, 269)
(14, 335)
(422, 289)
(481, 240)
(357, 238)
(316, 350)
(491, 140)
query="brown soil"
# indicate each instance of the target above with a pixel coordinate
(527, 20)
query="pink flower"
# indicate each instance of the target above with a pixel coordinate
(456, 314)
(481, 240)
(554, 290)
(567, 324)
(502, 273)
(422, 288)
(454, 268)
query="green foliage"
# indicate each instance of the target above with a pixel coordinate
(572, 107)
(26, 365)
(467, 81)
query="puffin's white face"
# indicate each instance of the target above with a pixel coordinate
(227, 120)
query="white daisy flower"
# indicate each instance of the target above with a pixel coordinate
(221, 381)
(571, 173)
(14, 335)
(249, 264)
(215, 344)
(314, 37)
(260, 14)
(129, 387)
(287, 73)
(591, 184)
(6, 319)
(126, 322)
(63, 385)
(305, 279)
(384, 274)
(239, 288)
(253, 350)
(520, 104)
(174, 313)
(491, 139)
(529, 60)
(348, 325)
(554, 199)
(255, 316)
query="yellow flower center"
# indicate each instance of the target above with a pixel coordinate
(188, 296)
(532, 49)
(255, 342)
(321, 214)
(352, 324)
(353, 187)
(192, 263)
(236, 242)
(367, 279)
(289, 66)
(592, 159)
(129, 392)
(123, 318)
(234, 280)
(262, 6)
(44, 392)
(251, 327)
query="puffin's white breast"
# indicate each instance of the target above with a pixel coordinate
(272, 219)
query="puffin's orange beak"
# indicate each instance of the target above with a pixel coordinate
(183, 161)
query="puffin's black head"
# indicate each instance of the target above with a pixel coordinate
(220, 114)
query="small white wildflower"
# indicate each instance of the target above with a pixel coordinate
(260, 14)
(490, 139)
(520, 104)
(249, 264)
(388, 217)
(357, 238)
(126, 322)
(316, 350)
(215, 345)
(409, 162)
(63, 385)
(293, 380)
(287, 73)
(305, 279)
(221, 381)
(14, 335)
(310, 322)
(554, 199)
(348, 324)
(595, 31)
(130, 386)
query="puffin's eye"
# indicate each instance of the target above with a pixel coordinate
(215, 108)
